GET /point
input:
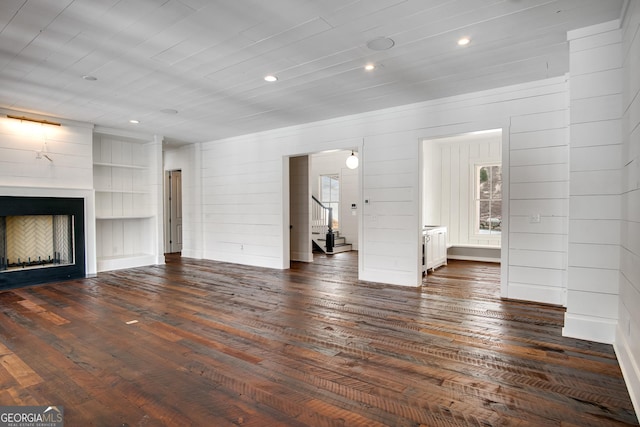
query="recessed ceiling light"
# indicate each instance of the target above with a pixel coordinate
(270, 79)
(134, 121)
(90, 78)
(464, 41)
(370, 67)
(380, 43)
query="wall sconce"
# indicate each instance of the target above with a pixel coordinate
(42, 153)
(28, 119)
(352, 161)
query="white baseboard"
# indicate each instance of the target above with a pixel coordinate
(388, 277)
(629, 368)
(535, 293)
(302, 256)
(589, 328)
(188, 253)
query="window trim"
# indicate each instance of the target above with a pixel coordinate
(336, 212)
(474, 225)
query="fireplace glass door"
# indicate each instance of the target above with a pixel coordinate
(36, 241)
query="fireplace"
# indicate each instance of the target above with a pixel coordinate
(41, 240)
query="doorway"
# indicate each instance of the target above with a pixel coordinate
(173, 209)
(299, 209)
(306, 176)
(462, 190)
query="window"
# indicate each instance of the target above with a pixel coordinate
(330, 196)
(488, 199)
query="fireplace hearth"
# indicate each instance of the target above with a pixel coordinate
(41, 240)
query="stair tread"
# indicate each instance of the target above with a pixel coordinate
(342, 248)
(339, 243)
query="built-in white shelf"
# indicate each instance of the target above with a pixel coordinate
(120, 165)
(118, 262)
(116, 217)
(126, 174)
(104, 190)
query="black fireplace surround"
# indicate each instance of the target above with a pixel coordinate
(19, 206)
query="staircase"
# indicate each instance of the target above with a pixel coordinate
(322, 234)
(340, 244)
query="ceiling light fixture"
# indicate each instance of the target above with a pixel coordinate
(352, 161)
(270, 79)
(380, 43)
(28, 119)
(370, 67)
(169, 111)
(134, 121)
(464, 41)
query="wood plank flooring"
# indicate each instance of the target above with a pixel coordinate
(227, 345)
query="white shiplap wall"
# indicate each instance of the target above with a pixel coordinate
(594, 211)
(431, 183)
(242, 204)
(68, 145)
(69, 175)
(391, 223)
(627, 340)
(454, 198)
(539, 188)
(243, 176)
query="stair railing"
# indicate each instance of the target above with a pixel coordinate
(322, 217)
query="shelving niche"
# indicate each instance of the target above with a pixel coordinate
(126, 176)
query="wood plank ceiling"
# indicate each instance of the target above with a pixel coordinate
(207, 59)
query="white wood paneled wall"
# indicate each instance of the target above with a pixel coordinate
(242, 203)
(69, 175)
(69, 146)
(627, 341)
(539, 187)
(391, 223)
(349, 189)
(244, 175)
(454, 198)
(594, 225)
(431, 183)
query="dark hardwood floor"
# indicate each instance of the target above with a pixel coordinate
(227, 345)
